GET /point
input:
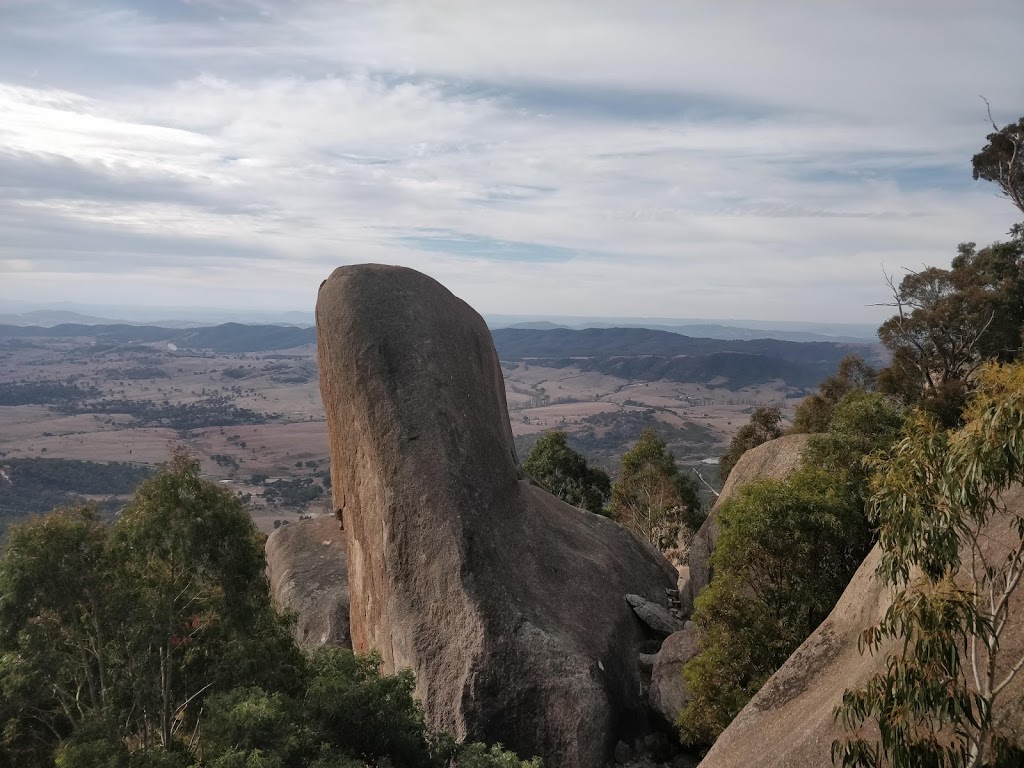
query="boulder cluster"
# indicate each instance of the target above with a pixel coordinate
(527, 622)
(508, 604)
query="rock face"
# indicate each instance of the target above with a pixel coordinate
(308, 571)
(774, 459)
(668, 693)
(788, 724)
(655, 616)
(506, 602)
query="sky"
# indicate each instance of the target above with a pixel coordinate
(651, 158)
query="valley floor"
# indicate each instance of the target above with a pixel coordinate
(256, 422)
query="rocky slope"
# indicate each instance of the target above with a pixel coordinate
(788, 724)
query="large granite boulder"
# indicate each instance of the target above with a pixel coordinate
(507, 603)
(789, 723)
(668, 694)
(774, 459)
(308, 571)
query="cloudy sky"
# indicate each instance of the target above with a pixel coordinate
(662, 158)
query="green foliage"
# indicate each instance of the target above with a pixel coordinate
(292, 492)
(1001, 161)
(96, 743)
(140, 618)
(216, 411)
(373, 714)
(785, 552)
(938, 498)
(652, 497)
(347, 714)
(55, 603)
(717, 679)
(43, 392)
(861, 424)
(36, 485)
(814, 414)
(565, 473)
(479, 756)
(764, 425)
(949, 322)
(200, 594)
(150, 642)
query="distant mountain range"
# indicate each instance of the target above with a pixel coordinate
(841, 334)
(227, 338)
(25, 314)
(651, 354)
(630, 353)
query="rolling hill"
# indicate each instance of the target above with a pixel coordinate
(228, 338)
(644, 354)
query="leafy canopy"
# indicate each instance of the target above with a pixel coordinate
(765, 424)
(151, 642)
(652, 497)
(953, 552)
(785, 552)
(565, 473)
(814, 414)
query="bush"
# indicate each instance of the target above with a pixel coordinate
(785, 553)
(151, 642)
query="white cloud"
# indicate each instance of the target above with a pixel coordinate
(656, 158)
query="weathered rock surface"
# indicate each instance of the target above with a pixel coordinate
(684, 592)
(506, 602)
(308, 571)
(654, 615)
(646, 661)
(788, 724)
(774, 459)
(668, 693)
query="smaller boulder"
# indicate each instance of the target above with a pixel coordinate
(623, 753)
(307, 564)
(668, 693)
(655, 616)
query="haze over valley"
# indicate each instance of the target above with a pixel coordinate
(245, 400)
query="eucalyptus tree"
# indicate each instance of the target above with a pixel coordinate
(952, 546)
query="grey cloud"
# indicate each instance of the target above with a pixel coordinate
(36, 176)
(634, 149)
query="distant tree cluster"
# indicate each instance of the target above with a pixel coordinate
(235, 373)
(217, 411)
(565, 473)
(765, 424)
(293, 492)
(224, 460)
(38, 485)
(136, 373)
(44, 393)
(651, 496)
